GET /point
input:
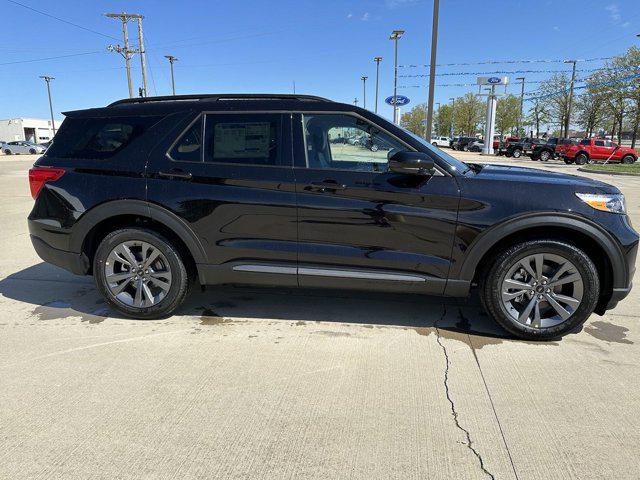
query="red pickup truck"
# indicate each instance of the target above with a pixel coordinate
(598, 149)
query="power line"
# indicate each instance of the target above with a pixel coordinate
(52, 58)
(60, 20)
(497, 72)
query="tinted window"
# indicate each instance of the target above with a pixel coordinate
(189, 147)
(252, 139)
(585, 142)
(97, 138)
(347, 142)
(599, 143)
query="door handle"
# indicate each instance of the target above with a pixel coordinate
(176, 173)
(325, 186)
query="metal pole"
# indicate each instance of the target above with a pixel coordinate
(521, 106)
(172, 59)
(453, 107)
(490, 122)
(48, 79)
(567, 119)
(364, 91)
(355, 101)
(127, 58)
(377, 60)
(395, 36)
(432, 67)
(143, 63)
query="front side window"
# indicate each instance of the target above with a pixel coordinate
(599, 143)
(346, 142)
(246, 139)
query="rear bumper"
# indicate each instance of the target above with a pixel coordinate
(617, 295)
(73, 262)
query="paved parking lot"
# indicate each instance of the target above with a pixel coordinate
(272, 383)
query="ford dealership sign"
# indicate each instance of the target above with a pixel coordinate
(400, 100)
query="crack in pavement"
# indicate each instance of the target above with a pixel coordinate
(454, 412)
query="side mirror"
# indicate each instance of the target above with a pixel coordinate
(411, 163)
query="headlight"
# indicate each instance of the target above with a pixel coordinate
(613, 202)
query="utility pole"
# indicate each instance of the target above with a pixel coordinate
(125, 51)
(567, 119)
(395, 36)
(453, 109)
(432, 66)
(48, 80)
(377, 60)
(521, 105)
(364, 91)
(143, 61)
(172, 59)
(355, 101)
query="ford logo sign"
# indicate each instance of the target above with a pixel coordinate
(494, 80)
(398, 101)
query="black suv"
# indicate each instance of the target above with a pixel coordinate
(151, 195)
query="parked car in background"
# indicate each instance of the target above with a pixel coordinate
(244, 189)
(440, 141)
(598, 149)
(529, 143)
(500, 143)
(452, 141)
(476, 146)
(463, 143)
(551, 149)
(22, 147)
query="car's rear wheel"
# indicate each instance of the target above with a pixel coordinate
(541, 289)
(140, 273)
(545, 156)
(434, 144)
(517, 153)
(582, 159)
(32, 151)
(7, 152)
(627, 159)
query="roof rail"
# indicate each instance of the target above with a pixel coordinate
(224, 96)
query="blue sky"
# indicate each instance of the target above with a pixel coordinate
(325, 46)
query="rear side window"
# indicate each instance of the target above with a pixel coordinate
(97, 138)
(585, 142)
(246, 139)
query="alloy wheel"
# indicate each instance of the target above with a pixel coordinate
(137, 274)
(542, 290)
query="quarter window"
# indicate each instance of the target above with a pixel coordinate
(189, 147)
(251, 139)
(346, 142)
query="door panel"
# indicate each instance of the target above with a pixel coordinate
(237, 194)
(372, 222)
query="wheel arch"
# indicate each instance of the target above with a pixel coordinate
(97, 222)
(596, 242)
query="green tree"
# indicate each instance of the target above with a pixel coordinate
(538, 115)
(507, 112)
(555, 97)
(468, 114)
(414, 118)
(442, 120)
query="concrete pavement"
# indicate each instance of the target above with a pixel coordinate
(273, 383)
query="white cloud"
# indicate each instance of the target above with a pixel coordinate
(556, 28)
(350, 15)
(366, 17)
(614, 12)
(400, 3)
(626, 24)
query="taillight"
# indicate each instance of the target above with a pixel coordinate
(38, 176)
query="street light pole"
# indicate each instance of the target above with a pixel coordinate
(364, 91)
(521, 105)
(172, 59)
(432, 67)
(395, 36)
(567, 119)
(48, 80)
(377, 60)
(143, 59)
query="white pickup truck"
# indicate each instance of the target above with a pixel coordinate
(440, 141)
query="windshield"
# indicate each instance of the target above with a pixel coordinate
(457, 165)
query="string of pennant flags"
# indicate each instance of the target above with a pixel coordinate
(498, 72)
(581, 87)
(504, 62)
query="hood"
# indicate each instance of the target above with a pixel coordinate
(533, 175)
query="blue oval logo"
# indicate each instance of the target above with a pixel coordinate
(494, 80)
(399, 101)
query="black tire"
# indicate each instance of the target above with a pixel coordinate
(545, 156)
(434, 144)
(507, 154)
(582, 159)
(179, 277)
(568, 161)
(7, 152)
(32, 151)
(517, 153)
(627, 159)
(491, 286)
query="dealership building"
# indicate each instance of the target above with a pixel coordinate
(35, 130)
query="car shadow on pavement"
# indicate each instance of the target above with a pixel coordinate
(56, 294)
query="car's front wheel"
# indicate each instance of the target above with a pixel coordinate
(545, 156)
(140, 273)
(7, 152)
(582, 159)
(628, 159)
(541, 289)
(517, 153)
